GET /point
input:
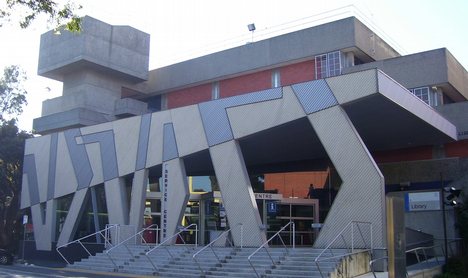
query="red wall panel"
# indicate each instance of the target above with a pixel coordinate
(189, 96)
(410, 154)
(245, 84)
(457, 149)
(297, 73)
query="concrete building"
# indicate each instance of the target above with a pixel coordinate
(333, 105)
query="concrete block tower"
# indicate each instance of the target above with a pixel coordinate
(93, 65)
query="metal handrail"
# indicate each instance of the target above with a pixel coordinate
(183, 229)
(213, 241)
(129, 238)
(105, 236)
(340, 234)
(290, 223)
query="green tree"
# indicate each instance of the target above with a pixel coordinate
(11, 160)
(62, 16)
(12, 93)
(12, 99)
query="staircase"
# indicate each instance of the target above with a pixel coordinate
(232, 262)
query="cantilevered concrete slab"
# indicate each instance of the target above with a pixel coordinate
(338, 120)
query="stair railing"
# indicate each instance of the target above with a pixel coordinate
(350, 250)
(291, 225)
(153, 227)
(176, 235)
(210, 245)
(104, 233)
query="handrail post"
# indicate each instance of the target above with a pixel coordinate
(352, 238)
(294, 235)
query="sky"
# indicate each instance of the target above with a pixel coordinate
(181, 29)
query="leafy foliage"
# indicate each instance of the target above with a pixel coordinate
(12, 98)
(11, 160)
(12, 93)
(63, 16)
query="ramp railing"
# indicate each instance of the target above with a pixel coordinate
(111, 230)
(265, 245)
(163, 244)
(125, 243)
(210, 245)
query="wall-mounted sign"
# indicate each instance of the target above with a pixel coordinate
(268, 196)
(421, 201)
(165, 182)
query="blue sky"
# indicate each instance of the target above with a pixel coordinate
(181, 29)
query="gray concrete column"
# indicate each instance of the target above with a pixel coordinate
(175, 195)
(237, 193)
(43, 215)
(116, 200)
(362, 195)
(137, 201)
(73, 217)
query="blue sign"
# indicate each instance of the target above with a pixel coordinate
(271, 207)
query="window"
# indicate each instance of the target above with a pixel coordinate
(215, 90)
(327, 65)
(429, 96)
(275, 78)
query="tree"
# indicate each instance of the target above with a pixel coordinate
(11, 160)
(12, 98)
(63, 16)
(12, 93)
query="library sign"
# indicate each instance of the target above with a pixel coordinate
(422, 201)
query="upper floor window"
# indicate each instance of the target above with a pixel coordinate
(215, 90)
(275, 78)
(327, 65)
(428, 95)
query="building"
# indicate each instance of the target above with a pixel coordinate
(333, 105)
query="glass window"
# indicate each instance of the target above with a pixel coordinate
(215, 90)
(422, 93)
(275, 78)
(327, 65)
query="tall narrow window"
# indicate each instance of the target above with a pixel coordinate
(275, 78)
(327, 65)
(215, 90)
(164, 102)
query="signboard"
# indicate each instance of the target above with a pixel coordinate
(25, 219)
(268, 196)
(165, 182)
(422, 201)
(272, 207)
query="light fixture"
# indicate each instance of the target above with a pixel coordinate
(251, 27)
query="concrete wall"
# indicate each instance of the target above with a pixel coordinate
(285, 49)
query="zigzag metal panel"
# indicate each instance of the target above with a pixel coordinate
(314, 95)
(215, 119)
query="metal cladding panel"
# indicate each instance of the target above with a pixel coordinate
(126, 137)
(350, 87)
(138, 197)
(66, 181)
(361, 196)
(73, 217)
(143, 140)
(79, 158)
(237, 193)
(188, 130)
(400, 95)
(29, 169)
(105, 139)
(116, 201)
(169, 143)
(252, 118)
(40, 148)
(215, 118)
(155, 148)
(44, 224)
(52, 166)
(314, 95)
